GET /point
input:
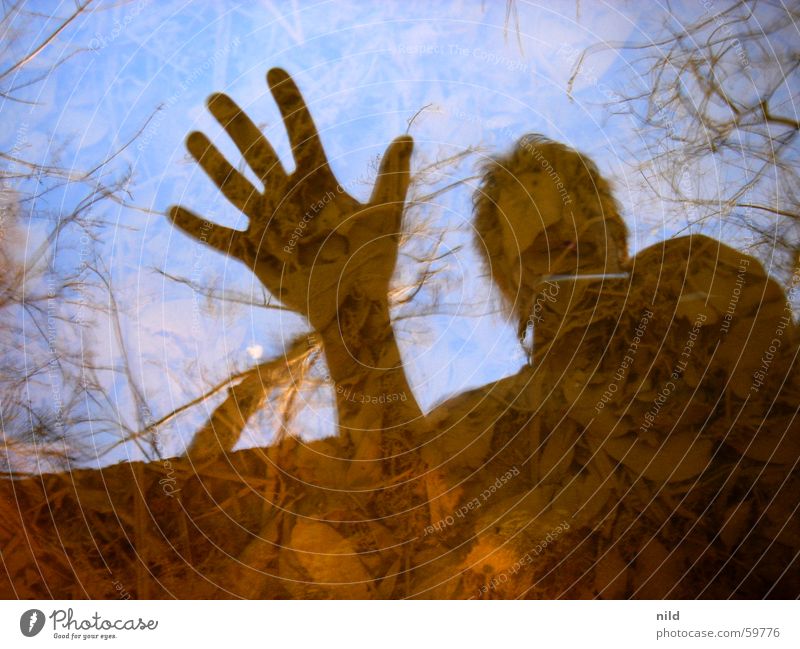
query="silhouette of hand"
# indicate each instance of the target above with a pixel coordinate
(309, 242)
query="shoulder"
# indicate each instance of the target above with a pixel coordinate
(696, 249)
(500, 396)
(466, 426)
(699, 267)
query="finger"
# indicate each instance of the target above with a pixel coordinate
(226, 240)
(236, 188)
(255, 148)
(306, 145)
(391, 185)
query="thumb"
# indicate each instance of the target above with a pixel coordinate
(393, 179)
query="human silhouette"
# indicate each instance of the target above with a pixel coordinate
(648, 449)
(622, 443)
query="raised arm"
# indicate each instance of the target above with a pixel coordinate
(318, 250)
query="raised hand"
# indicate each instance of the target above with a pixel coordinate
(308, 241)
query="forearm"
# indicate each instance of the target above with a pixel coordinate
(371, 388)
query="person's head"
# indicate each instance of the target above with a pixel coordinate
(544, 209)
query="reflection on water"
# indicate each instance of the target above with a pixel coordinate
(649, 448)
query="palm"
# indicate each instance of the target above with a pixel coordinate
(307, 240)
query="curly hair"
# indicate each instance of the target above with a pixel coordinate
(566, 199)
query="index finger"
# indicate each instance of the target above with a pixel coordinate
(303, 135)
